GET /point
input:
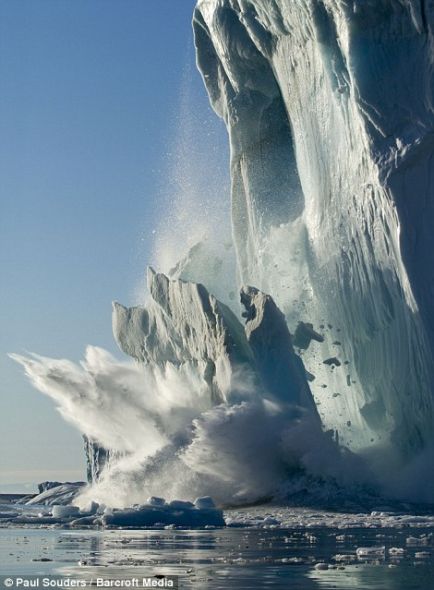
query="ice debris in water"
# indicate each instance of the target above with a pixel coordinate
(155, 512)
(178, 513)
(370, 552)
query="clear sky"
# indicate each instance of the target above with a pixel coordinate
(89, 106)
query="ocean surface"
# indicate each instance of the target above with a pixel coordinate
(296, 557)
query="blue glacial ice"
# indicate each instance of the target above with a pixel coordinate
(301, 353)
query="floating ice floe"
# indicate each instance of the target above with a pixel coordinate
(370, 552)
(421, 540)
(396, 551)
(156, 512)
(178, 513)
(300, 518)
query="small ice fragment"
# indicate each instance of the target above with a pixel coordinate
(269, 520)
(364, 552)
(332, 361)
(92, 508)
(293, 560)
(396, 551)
(304, 334)
(85, 520)
(344, 557)
(155, 501)
(310, 376)
(422, 540)
(60, 511)
(181, 505)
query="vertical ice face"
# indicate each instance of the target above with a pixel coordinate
(97, 459)
(281, 370)
(329, 109)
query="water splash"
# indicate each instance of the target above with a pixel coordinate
(168, 439)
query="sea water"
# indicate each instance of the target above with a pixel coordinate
(298, 557)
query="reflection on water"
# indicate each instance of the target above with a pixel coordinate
(227, 558)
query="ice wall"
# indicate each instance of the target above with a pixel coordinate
(328, 106)
(329, 110)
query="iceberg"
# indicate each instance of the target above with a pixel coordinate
(299, 354)
(329, 111)
(59, 494)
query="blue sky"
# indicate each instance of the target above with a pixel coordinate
(89, 106)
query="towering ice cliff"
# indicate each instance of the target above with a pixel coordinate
(329, 109)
